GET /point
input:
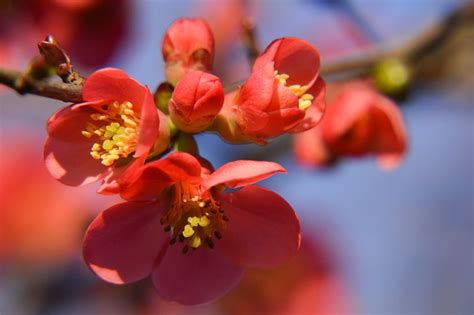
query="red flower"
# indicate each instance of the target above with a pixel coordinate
(114, 128)
(358, 122)
(77, 25)
(187, 45)
(284, 93)
(196, 101)
(191, 236)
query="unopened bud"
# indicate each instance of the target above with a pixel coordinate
(196, 101)
(392, 77)
(187, 45)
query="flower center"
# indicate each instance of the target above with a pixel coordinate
(193, 218)
(304, 99)
(116, 126)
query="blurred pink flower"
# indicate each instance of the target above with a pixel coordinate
(358, 121)
(41, 220)
(77, 25)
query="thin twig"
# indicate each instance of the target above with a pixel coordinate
(249, 38)
(411, 51)
(58, 90)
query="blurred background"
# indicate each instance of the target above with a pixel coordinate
(375, 242)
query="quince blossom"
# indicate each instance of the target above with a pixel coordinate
(284, 93)
(115, 128)
(193, 238)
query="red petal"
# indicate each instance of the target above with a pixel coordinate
(391, 139)
(257, 92)
(113, 85)
(310, 149)
(199, 276)
(348, 107)
(299, 59)
(281, 121)
(122, 243)
(149, 125)
(295, 57)
(242, 173)
(150, 181)
(67, 151)
(263, 229)
(121, 177)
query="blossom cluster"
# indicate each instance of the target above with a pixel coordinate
(191, 227)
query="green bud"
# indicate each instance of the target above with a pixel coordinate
(162, 96)
(392, 76)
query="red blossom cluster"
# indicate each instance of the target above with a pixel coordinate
(193, 228)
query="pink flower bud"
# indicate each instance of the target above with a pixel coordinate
(187, 45)
(196, 101)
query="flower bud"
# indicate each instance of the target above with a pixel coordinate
(392, 77)
(196, 101)
(188, 45)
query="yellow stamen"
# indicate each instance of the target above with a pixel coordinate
(195, 242)
(194, 217)
(107, 145)
(304, 99)
(117, 132)
(204, 221)
(194, 221)
(188, 231)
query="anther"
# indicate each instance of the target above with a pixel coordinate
(218, 235)
(195, 241)
(172, 241)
